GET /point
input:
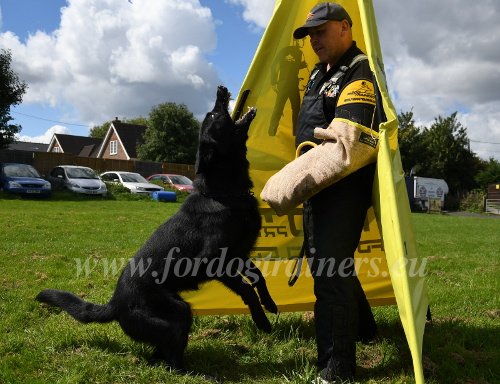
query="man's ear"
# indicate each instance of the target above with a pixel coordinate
(345, 27)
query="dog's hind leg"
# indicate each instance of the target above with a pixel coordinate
(167, 329)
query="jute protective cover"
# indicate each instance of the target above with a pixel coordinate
(345, 149)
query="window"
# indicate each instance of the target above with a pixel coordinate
(113, 147)
(57, 149)
(80, 173)
(110, 177)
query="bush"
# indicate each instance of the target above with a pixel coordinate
(119, 192)
(473, 201)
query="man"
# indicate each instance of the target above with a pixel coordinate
(334, 217)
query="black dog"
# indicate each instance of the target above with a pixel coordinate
(218, 224)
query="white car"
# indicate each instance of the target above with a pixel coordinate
(77, 179)
(134, 182)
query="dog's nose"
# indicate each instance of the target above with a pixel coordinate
(221, 91)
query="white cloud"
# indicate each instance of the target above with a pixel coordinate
(257, 12)
(113, 58)
(45, 138)
(442, 57)
(116, 58)
(483, 128)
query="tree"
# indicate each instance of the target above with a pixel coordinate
(449, 156)
(171, 135)
(489, 174)
(99, 131)
(12, 90)
(411, 143)
(137, 121)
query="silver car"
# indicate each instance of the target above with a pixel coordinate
(77, 179)
(134, 182)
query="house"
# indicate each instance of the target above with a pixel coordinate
(27, 146)
(120, 142)
(75, 145)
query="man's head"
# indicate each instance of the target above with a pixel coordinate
(320, 14)
(329, 28)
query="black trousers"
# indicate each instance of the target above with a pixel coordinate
(333, 222)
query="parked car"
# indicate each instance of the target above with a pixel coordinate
(179, 182)
(23, 179)
(77, 179)
(132, 181)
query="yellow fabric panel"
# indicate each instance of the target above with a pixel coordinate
(393, 211)
(370, 263)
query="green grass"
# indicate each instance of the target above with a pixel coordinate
(41, 242)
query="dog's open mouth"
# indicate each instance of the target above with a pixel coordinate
(250, 114)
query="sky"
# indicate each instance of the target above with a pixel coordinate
(88, 61)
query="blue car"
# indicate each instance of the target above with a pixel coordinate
(23, 179)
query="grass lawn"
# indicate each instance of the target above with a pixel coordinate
(41, 241)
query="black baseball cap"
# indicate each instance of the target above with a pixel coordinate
(320, 14)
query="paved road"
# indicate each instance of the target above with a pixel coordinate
(472, 214)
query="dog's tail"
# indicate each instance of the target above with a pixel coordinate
(76, 307)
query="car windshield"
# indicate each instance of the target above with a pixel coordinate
(81, 173)
(179, 179)
(20, 170)
(133, 178)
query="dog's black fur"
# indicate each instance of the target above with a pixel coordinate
(220, 219)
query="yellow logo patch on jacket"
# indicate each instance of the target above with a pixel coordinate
(358, 91)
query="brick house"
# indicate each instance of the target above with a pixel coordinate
(120, 142)
(28, 146)
(75, 145)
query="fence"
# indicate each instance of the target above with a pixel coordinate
(45, 161)
(492, 206)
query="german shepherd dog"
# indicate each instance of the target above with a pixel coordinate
(217, 224)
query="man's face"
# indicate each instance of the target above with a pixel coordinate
(326, 41)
